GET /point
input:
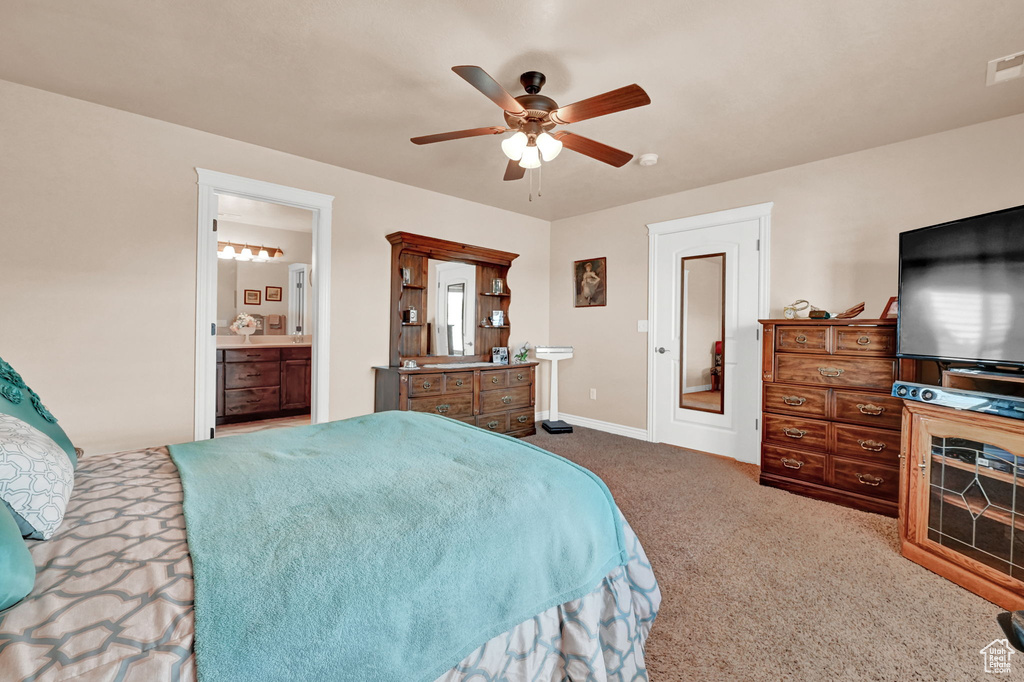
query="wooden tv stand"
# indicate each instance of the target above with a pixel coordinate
(962, 499)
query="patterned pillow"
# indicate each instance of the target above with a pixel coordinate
(18, 400)
(35, 477)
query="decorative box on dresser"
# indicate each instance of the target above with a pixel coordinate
(829, 428)
(469, 388)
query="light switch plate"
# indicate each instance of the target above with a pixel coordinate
(641, 325)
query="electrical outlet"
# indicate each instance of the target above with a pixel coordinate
(593, 394)
(641, 325)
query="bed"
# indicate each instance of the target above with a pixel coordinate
(114, 592)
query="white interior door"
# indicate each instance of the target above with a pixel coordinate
(732, 429)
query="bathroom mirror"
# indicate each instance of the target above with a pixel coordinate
(451, 308)
(702, 333)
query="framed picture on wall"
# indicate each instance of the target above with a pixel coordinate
(590, 280)
(892, 309)
(252, 297)
(273, 294)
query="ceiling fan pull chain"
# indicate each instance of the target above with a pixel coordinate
(540, 180)
(531, 183)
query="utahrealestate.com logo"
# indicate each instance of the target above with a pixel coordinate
(997, 656)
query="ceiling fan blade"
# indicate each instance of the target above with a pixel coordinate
(483, 82)
(458, 134)
(617, 100)
(513, 171)
(593, 149)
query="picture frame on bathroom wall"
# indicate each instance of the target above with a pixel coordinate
(590, 282)
(252, 296)
(273, 294)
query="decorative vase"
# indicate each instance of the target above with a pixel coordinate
(246, 332)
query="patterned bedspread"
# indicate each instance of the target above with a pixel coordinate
(113, 597)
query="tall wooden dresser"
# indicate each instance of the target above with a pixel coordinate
(829, 428)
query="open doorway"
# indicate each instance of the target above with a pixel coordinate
(263, 273)
(264, 333)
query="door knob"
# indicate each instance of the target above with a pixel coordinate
(662, 349)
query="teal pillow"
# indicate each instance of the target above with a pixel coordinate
(17, 572)
(18, 400)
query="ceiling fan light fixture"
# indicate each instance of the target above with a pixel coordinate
(531, 158)
(514, 146)
(549, 146)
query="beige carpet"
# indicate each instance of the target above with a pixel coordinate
(760, 584)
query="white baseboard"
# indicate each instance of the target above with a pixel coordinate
(597, 425)
(697, 389)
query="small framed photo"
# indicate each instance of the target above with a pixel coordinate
(497, 285)
(499, 355)
(273, 294)
(590, 279)
(498, 318)
(892, 309)
(406, 276)
(252, 296)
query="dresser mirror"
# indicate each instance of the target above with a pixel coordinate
(702, 333)
(451, 311)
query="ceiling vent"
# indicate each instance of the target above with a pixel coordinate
(1005, 69)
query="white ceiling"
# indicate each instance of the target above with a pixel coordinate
(264, 214)
(737, 87)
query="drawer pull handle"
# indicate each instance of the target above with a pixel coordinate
(794, 400)
(871, 445)
(523, 419)
(519, 377)
(458, 382)
(506, 399)
(426, 384)
(830, 371)
(873, 410)
(253, 402)
(494, 380)
(791, 463)
(864, 340)
(443, 408)
(868, 479)
(252, 355)
(492, 425)
(801, 339)
(794, 433)
(250, 376)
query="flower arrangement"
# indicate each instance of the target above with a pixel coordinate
(243, 321)
(523, 353)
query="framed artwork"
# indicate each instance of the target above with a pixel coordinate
(892, 309)
(273, 294)
(499, 355)
(590, 281)
(252, 297)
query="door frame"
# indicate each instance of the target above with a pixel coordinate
(760, 212)
(211, 185)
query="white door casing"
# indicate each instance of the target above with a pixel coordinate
(212, 184)
(742, 234)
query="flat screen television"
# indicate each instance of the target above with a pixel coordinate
(961, 291)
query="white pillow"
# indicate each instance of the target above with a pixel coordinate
(36, 477)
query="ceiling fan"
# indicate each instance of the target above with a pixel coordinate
(533, 115)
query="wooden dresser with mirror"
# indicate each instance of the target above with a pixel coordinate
(449, 308)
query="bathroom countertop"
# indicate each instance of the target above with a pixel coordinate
(221, 345)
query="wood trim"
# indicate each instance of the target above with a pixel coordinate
(443, 249)
(832, 322)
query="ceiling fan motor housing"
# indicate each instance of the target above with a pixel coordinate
(537, 108)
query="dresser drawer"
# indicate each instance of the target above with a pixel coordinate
(493, 379)
(455, 406)
(492, 401)
(867, 478)
(835, 370)
(251, 401)
(458, 383)
(520, 377)
(251, 374)
(252, 355)
(425, 384)
(860, 441)
(811, 402)
(521, 419)
(868, 408)
(796, 431)
(498, 423)
(803, 466)
(864, 341)
(802, 339)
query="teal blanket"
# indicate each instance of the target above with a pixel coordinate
(384, 547)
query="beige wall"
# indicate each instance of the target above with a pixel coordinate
(834, 241)
(98, 230)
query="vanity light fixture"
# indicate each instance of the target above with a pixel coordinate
(244, 252)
